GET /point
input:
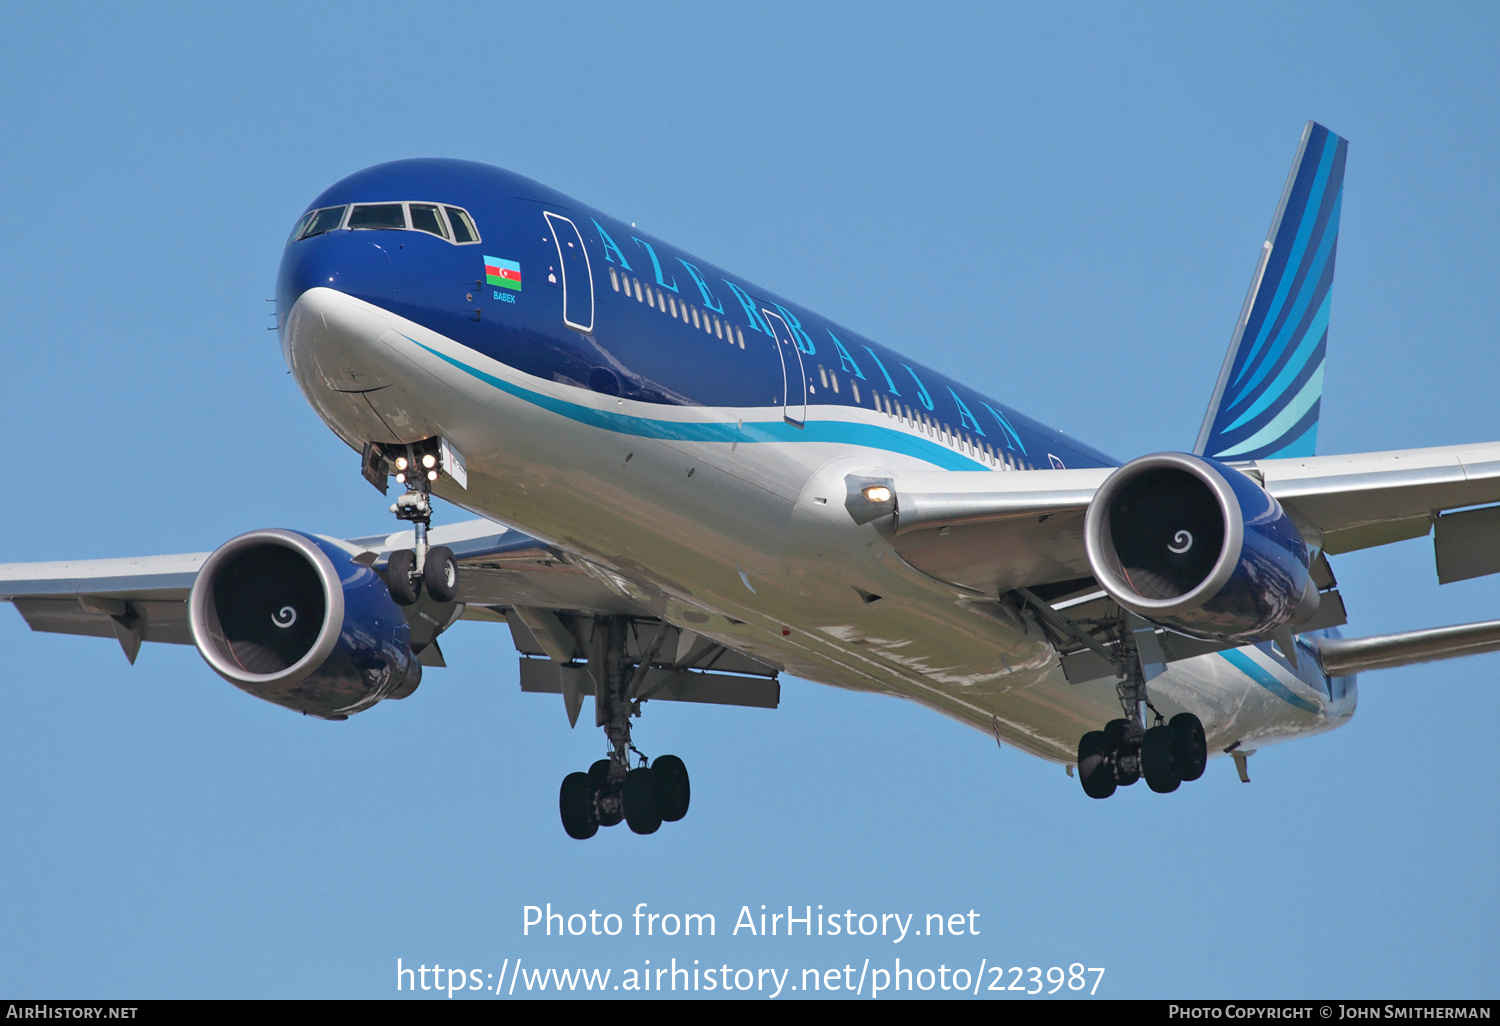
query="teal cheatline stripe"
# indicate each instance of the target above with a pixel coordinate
(1250, 668)
(838, 431)
(1299, 245)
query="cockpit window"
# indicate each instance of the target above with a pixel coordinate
(316, 222)
(378, 215)
(300, 227)
(451, 223)
(463, 228)
(426, 218)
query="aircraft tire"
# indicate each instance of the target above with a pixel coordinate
(1189, 745)
(440, 574)
(599, 781)
(576, 803)
(672, 788)
(1114, 745)
(1159, 762)
(599, 774)
(641, 811)
(405, 586)
(1094, 771)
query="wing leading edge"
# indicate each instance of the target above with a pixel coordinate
(548, 598)
(946, 521)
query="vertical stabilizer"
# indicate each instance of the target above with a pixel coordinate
(1270, 389)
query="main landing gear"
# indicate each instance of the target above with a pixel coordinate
(1125, 750)
(644, 796)
(408, 571)
(1166, 755)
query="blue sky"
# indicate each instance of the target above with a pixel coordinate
(1061, 203)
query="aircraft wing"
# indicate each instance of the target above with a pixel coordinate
(993, 532)
(145, 598)
(548, 599)
(1376, 498)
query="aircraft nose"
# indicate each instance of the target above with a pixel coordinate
(355, 263)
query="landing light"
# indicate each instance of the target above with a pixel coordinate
(432, 475)
(401, 478)
(401, 463)
(429, 461)
(878, 493)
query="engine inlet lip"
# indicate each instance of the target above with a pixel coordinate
(208, 637)
(1105, 561)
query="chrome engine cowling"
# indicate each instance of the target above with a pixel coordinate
(1196, 546)
(291, 618)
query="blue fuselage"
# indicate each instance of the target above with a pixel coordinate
(675, 353)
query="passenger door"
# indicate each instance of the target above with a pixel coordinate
(577, 274)
(794, 375)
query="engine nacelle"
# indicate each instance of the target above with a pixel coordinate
(292, 619)
(1196, 546)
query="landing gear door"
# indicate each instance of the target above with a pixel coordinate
(575, 271)
(795, 377)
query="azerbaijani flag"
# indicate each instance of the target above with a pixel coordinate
(505, 273)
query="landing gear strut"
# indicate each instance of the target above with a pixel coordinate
(408, 571)
(1125, 750)
(645, 795)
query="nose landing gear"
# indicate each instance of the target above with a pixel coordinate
(644, 796)
(417, 466)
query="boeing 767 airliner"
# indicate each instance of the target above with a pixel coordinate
(687, 485)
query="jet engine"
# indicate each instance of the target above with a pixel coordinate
(1196, 546)
(291, 618)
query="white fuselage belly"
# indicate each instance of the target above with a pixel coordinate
(744, 541)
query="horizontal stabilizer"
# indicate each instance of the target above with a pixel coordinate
(1341, 657)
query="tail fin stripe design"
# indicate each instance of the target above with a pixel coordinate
(1293, 370)
(1309, 220)
(1318, 283)
(1270, 388)
(1306, 433)
(1290, 417)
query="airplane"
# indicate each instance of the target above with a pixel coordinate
(685, 486)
